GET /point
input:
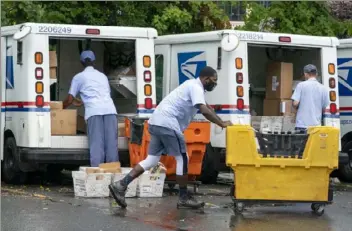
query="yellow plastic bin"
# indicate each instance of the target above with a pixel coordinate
(282, 178)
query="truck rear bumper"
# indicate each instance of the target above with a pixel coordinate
(53, 155)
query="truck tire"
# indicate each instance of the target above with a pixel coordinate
(209, 174)
(345, 171)
(10, 170)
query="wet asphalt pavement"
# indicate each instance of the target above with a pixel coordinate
(54, 208)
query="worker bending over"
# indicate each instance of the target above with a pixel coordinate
(100, 112)
(166, 125)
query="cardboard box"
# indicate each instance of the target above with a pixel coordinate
(92, 184)
(52, 59)
(56, 105)
(53, 74)
(151, 185)
(277, 107)
(279, 80)
(81, 124)
(111, 165)
(64, 122)
(121, 130)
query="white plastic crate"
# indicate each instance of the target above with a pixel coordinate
(151, 185)
(91, 185)
(132, 187)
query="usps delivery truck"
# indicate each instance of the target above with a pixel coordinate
(241, 59)
(27, 143)
(344, 65)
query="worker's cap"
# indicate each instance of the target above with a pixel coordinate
(310, 69)
(88, 54)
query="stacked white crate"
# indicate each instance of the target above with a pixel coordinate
(151, 185)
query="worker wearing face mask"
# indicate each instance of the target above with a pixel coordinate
(166, 125)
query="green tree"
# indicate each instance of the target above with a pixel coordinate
(166, 17)
(310, 18)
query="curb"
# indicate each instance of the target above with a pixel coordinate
(342, 187)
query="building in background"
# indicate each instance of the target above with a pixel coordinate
(236, 11)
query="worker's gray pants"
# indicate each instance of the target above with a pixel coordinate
(102, 138)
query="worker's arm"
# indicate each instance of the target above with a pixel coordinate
(212, 109)
(74, 90)
(296, 97)
(198, 101)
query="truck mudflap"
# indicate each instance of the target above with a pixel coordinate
(54, 156)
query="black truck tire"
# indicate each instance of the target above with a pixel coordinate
(11, 173)
(345, 171)
(209, 174)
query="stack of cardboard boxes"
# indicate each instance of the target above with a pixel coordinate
(278, 111)
(63, 121)
(53, 64)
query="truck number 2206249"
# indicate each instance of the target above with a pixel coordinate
(55, 29)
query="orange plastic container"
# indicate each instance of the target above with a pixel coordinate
(197, 136)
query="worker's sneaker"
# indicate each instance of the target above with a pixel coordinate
(189, 202)
(118, 191)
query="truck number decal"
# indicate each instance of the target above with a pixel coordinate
(250, 36)
(55, 29)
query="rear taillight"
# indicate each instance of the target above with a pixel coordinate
(332, 96)
(240, 104)
(239, 78)
(39, 73)
(331, 68)
(147, 76)
(39, 101)
(146, 61)
(38, 58)
(239, 64)
(148, 103)
(333, 108)
(147, 90)
(39, 87)
(284, 39)
(332, 83)
(239, 91)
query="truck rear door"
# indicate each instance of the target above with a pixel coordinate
(2, 94)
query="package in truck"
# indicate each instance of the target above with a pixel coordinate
(56, 105)
(151, 184)
(279, 80)
(277, 107)
(91, 184)
(132, 187)
(64, 122)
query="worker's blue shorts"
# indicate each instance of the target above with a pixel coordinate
(166, 141)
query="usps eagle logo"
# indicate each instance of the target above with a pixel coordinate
(345, 76)
(190, 64)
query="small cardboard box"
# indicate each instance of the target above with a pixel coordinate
(111, 165)
(277, 107)
(56, 105)
(53, 74)
(279, 80)
(289, 123)
(91, 184)
(63, 122)
(255, 122)
(52, 59)
(151, 185)
(121, 130)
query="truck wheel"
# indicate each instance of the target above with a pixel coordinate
(11, 172)
(345, 171)
(209, 174)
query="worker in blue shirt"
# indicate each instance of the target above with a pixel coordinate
(100, 112)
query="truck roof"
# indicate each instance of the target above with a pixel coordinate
(251, 36)
(69, 30)
(345, 43)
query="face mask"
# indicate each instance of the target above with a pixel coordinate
(210, 86)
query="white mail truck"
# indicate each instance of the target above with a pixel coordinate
(29, 84)
(241, 59)
(344, 65)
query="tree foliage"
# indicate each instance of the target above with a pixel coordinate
(305, 17)
(166, 17)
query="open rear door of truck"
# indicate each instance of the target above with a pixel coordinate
(2, 94)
